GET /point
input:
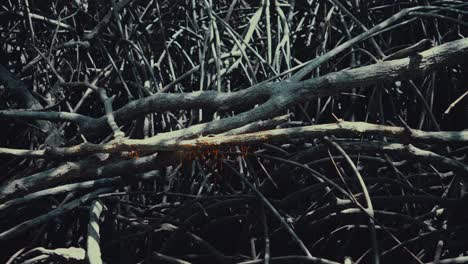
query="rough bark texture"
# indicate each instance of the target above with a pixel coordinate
(233, 131)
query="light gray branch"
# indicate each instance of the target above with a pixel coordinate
(154, 144)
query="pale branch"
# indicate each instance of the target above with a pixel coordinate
(158, 256)
(258, 126)
(74, 171)
(44, 19)
(366, 34)
(370, 33)
(412, 152)
(275, 96)
(107, 101)
(342, 129)
(401, 69)
(93, 249)
(64, 255)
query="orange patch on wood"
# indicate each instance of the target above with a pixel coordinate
(134, 154)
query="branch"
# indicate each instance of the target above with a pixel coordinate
(72, 171)
(27, 225)
(93, 250)
(43, 194)
(278, 96)
(155, 144)
(22, 94)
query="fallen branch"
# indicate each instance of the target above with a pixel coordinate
(93, 250)
(342, 128)
(275, 97)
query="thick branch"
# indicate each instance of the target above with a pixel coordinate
(281, 95)
(344, 129)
